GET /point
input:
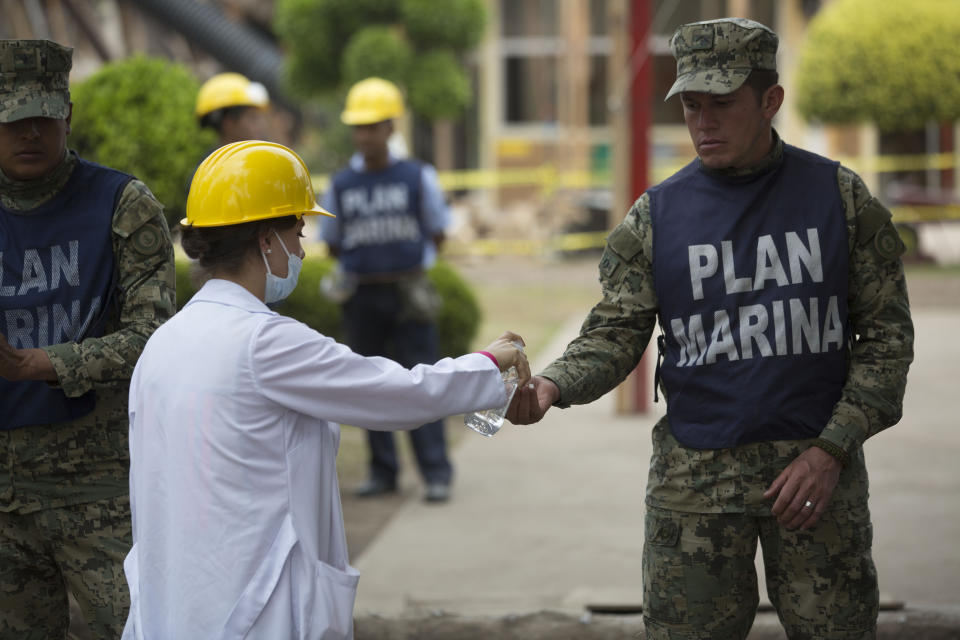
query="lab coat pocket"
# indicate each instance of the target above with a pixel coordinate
(261, 587)
(326, 603)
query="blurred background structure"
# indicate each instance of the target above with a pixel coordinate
(522, 104)
(546, 125)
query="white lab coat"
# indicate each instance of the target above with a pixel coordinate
(237, 525)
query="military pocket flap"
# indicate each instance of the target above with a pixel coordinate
(662, 532)
(873, 218)
(624, 242)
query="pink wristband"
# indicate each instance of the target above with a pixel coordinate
(490, 355)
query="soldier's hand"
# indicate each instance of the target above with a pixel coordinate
(804, 488)
(24, 364)
(10, 360)
(531, 402)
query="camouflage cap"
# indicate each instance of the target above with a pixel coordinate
(716, 56)
(34, 79)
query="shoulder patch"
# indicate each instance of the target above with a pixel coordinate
(146, 240)
(136, 207)
(873, 217)
(624, 242)
(888, 243)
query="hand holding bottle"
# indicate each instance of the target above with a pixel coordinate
(508, 350)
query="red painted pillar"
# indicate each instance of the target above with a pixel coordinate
(641, 89)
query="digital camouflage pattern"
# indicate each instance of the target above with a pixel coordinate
(716, 56)
(616, 331)
(34, 79)
(699, 573)
(91, 541)
(64, 509)
(87, 458)
(706, 507)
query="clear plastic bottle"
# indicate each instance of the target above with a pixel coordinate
(488, 422)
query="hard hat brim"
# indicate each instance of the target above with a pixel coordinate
(316, 211)
(354, 118)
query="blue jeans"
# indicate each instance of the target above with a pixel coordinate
(373, 326)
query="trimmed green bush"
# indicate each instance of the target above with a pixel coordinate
(376, 51)
(457, 321)
(439, 87)
(459, 317)
(892, 63)
(136, 115)
(458, 26)
(331, 44)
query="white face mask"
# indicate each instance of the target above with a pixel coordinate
(278, 288)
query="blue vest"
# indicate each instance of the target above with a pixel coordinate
(56, 279)
(379, 214)
(751, 276)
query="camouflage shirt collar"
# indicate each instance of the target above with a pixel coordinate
(24, 195)
(769, 162)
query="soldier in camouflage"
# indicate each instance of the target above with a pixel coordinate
(777, 282)
(86, 275)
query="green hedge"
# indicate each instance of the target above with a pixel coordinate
(379, 51)
(136, 115)
(459, 25)
(457, 321)
(418, 44)
(891, 63)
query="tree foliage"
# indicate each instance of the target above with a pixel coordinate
(379, 51)
(893, 63)
(332, 43)
(137, 116)
(458, 26)
(439, 87)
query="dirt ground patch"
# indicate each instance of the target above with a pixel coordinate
(894, 625)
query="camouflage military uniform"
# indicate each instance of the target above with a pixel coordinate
(708, 503)
(64, 505)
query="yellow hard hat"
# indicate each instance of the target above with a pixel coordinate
(372, 100)
(230, 90)
(250, 180)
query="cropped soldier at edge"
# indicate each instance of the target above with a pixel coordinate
(87, 275)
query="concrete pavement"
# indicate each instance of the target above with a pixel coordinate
(549, 517)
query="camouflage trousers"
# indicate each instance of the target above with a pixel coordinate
(700, 582)
(44, 554)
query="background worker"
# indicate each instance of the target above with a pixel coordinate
(238, 529)
(391, 217)
(86, 275)
(777, 281)
(234, 107)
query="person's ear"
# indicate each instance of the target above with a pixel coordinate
(772, 101)
(265, 242)
(69, 115)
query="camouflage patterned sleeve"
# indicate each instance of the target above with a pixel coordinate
(882, 351)
(143, 252)
(617, 330)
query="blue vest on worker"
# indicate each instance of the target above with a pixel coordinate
(379, 214)
(56, 279)
(751, 277)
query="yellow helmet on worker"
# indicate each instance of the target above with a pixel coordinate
(226, 90)
(247, 181)
(371, 101)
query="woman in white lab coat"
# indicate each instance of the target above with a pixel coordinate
(237, 525)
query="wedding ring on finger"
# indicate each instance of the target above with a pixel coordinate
(808, 504)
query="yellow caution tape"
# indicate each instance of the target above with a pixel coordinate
(925, 213)
(549, 178)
